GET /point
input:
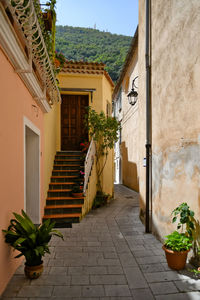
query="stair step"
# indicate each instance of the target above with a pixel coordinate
(68, 159)
(59, 190)
(69, 171)
(62, 216)
(63, 198)
(68, 155)
(72, 176)
(60, 206)
(68, 152)
(63, 209)
(64, 165)
(63, 206)
(61, 183)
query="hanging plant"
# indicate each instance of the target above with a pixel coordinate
(59, 61)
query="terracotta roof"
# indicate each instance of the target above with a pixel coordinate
(82, 67)
(126, 64)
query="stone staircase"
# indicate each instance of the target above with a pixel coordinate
(61, 207)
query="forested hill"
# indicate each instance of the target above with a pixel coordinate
(87, 44)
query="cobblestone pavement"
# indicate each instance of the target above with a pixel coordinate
(106, 257)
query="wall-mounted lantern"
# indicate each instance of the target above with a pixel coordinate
(133, 95)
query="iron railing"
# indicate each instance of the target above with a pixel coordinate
(89, 160)
(23, 12)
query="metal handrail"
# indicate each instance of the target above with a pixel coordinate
(89, 160)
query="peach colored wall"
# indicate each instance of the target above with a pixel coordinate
(16, 102)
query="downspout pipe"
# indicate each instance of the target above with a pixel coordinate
(148, 115)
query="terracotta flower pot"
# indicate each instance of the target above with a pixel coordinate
(33, 272)
(176, 260)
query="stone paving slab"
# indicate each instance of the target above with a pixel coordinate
(107, 256)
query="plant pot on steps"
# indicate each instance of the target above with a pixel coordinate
(33, 272)
(176, 260)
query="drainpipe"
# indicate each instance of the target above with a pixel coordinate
(148, 115)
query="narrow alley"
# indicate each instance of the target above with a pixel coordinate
(107, 256)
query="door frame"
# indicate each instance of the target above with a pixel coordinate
(74, 92)
(30, 126)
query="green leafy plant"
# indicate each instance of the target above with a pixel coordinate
(104, 131)
(59, 61)
(178, 241)
(186, 217)
(100, 199)
(30, 240)
(188, 222)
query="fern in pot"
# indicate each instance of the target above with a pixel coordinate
(30, 240)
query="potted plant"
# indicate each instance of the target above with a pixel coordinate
(84, 146)
(176, 247)
(76, 191)
(31, 241)
(59, 60)
(192, 226)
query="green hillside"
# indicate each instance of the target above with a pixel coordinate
(88, 44)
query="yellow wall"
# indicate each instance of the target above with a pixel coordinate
(108, 173)
(51, 142)
(100, 97)
(83, 81)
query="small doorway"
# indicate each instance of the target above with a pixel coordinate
(73, 131)
(32, 174)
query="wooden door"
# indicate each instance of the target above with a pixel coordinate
(73, 131)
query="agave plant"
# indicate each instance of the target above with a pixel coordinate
(29, 239)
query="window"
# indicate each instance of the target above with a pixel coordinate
(108, 109)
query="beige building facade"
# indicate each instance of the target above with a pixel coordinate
(126, 149)
(175, 90)
(174, 128)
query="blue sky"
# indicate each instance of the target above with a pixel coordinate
(115, 16)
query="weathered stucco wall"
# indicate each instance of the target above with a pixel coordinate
(175, 107)
(175, 96)
(141, 105)
(129, 132)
